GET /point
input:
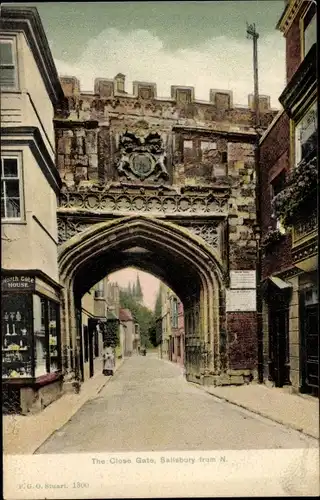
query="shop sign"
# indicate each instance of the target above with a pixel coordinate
(21, 283)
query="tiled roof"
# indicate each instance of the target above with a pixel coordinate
(125, 315)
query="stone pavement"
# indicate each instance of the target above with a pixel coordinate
(298, 412)
(24, 434)
(149, 406)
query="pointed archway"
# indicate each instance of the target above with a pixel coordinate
(182, 260)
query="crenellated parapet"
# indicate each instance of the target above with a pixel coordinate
(180, 95)
(141, 139)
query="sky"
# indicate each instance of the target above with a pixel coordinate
(149, 284)
(200, 44)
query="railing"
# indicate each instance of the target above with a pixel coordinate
(305, 229)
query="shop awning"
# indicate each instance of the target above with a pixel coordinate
(279, 283)
(275, 284)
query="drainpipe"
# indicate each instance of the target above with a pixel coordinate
(252, 34)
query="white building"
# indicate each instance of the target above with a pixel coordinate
(30, 185)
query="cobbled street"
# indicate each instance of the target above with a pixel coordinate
(149, 406)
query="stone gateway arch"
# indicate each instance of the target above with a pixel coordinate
(181, 259)
(167, 186)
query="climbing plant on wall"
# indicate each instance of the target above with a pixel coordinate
(299, 193)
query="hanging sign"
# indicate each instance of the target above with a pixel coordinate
(17, 283)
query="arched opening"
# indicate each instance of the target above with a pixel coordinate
(178, 258)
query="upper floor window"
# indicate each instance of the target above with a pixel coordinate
(10, 188)
(174, 313)
(208, 146)
(8, 64)
(309, 29)
(188, 150)
(306, 135)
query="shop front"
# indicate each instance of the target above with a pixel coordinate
(31, 342)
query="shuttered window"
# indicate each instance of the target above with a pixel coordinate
(8, 73)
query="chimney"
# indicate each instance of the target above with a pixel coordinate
(119, 83)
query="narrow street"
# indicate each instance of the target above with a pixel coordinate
(148, 406)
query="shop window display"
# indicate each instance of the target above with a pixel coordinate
(16, 336)
(40, 345)
(30, 336)
(53, 337)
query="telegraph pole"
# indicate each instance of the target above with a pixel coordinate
(253, 35)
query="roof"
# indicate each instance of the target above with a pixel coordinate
(24, 18)
(125, 315)
(112, 316)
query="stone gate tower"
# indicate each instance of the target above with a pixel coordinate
(168, 185)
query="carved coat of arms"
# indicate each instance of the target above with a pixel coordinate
(142, 157)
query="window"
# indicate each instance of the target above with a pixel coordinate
(53, 337)
(207, 145)
(278, 183)
(187, 145)
(306, 135)
(309, 27)
(39, 322)
(16, 335)
(224, 157)
(46, 328)
(174, 313)
(311, 296)
(10, 188)
(7, 64)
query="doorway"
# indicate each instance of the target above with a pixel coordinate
(279, 368)
(309, 331)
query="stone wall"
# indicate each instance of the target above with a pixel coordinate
(202, 177)
(193, 133)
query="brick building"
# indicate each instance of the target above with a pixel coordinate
(288, 158)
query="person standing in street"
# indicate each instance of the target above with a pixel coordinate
(108, 361)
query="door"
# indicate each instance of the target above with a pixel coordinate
(309, 327)
(91, 353)
(81, 360)
(278, 343)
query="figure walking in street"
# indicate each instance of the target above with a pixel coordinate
(108, 361)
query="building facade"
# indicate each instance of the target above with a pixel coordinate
(173, 335)
(288, 156)
(100, 310)
(131, 332)
(30, 186)
(166, 184)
